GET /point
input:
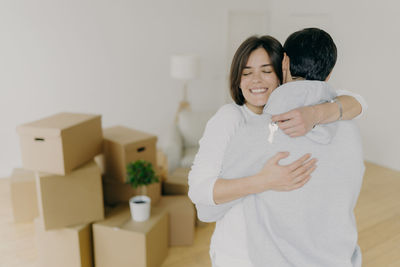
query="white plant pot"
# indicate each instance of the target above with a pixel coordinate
(140, 208)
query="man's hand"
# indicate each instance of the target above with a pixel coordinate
(297, 122)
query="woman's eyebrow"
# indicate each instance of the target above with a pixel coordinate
(264, 65)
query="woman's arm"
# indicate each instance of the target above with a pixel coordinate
(206, 188)
(207, 164)
(300, 121)
(272, 177)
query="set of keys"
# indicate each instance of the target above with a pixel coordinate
(273, 127)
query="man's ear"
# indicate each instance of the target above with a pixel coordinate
(329, 76)
(285, 62)
(287, 76)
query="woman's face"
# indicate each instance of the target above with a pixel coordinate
(258, 80)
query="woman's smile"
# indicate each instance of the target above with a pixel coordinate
(258, 91)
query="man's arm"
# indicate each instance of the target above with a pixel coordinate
(347, 109)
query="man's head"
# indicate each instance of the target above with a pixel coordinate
(312, 54)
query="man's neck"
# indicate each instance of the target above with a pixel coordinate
(294, 78)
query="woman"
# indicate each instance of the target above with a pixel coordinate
(255, 72)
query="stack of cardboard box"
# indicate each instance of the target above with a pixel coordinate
(172, 218)
(63, 186)
(65, 183)
(176, 184)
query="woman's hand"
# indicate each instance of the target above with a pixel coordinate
(272, 177)
(297, 122)
(285, 177)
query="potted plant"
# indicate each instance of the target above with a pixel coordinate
(140, 174)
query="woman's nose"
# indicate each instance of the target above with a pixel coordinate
(257, 76)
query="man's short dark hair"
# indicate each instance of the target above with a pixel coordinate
(312, 54)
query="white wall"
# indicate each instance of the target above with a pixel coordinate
(112, 58)
(368, 40)
(107, 57)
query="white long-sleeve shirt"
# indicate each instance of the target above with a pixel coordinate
(228, 242)
(314, 225)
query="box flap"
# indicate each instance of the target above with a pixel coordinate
(123, 135)
(120, 219)
(146, 226)
(22, 175)
(116, 216)
(74, 228)
(53, 126)
(38, 132)
(90, 166)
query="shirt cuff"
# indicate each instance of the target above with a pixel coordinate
(359, 98)
(203, 192)
(211, 192)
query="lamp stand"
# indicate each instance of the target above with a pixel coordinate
(184, 104)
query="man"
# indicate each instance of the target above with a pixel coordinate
(314, 225)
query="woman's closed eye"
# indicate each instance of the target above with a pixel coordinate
(247, 73)
(267, 69)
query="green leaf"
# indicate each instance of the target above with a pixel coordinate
(140, 173)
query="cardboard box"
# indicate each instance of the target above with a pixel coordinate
(162, 164)
(177, 182)
(60, 143)
(118, 192)
(66, 247)
(182, 217)
(122, 146)
(23, 195)
(76, 198)
(120, 241)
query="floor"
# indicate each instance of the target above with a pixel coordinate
(377, 213)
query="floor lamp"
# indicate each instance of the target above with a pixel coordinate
(184, 68)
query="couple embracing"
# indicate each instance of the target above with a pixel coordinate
(280, 169)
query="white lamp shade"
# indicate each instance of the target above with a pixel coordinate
(184, 67)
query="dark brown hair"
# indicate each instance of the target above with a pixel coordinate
(274, 50)
(312, 54)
